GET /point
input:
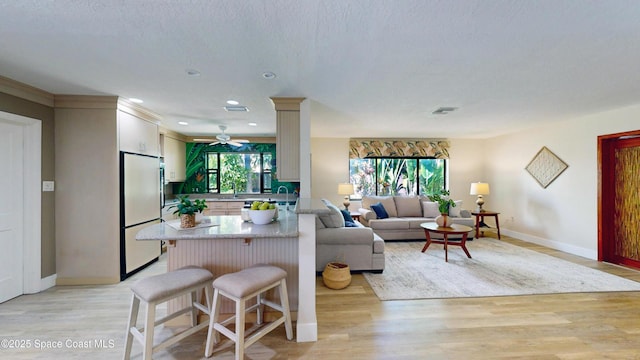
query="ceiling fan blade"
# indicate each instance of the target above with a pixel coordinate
(234, 143)
(244, 141)
(215, 143)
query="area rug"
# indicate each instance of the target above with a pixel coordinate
(496, 269)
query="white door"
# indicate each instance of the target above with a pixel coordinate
(11, 213)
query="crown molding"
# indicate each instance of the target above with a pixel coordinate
(26, 92)
(287, 103)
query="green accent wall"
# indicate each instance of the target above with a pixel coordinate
(197, 171)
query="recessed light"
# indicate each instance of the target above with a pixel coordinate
(193, 72)
(253, 124)
(137, 101)
(268, 75)
(232, 102)
(183, 123)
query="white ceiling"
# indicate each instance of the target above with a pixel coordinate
(374, 68)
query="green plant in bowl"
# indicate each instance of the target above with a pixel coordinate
(187, 207)
(443, 200)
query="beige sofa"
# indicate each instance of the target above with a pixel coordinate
(359, 246)
(406, 213)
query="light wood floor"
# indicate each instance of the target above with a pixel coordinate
(354, 324)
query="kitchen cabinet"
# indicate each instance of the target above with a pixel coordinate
(90, 131)
(175, 159)
(138, 135)
(223, 208)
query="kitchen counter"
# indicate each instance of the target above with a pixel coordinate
(232, 245)
(225, 227)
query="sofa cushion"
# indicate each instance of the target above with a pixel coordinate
(454, 211)
(346, 215)
(389, 224)
(334, 219)
(378, 244)
(430, 209)
(380, 211)
(355, 235)
(386, 201)
(408, 206)
(414, 223)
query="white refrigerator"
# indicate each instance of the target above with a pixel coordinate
(140, 206)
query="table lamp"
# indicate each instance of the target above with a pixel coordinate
(479, 189)
(346, 189)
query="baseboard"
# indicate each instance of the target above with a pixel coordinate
(48, 282)
(88, 281)
(571, 249)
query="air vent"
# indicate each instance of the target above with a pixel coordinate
(444, 110)
(236, 108)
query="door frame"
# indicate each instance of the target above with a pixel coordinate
(32, 213)
(606, 191)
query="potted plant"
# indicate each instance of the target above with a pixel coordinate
(187, 210)
(444, 202)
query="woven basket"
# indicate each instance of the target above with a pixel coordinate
(336, 275)
(187, 221)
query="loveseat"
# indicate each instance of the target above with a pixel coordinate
(358, 246)
(406, 213)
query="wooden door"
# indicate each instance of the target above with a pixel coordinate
(626, 220)
(12, 213)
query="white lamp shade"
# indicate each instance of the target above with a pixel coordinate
(479, 188)
(345, 189)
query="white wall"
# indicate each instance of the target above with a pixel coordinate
(564, 215)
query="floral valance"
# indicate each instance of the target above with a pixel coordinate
(364, 148)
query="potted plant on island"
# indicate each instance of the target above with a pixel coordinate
(444, 202)
(187, 210)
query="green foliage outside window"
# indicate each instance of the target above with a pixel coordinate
(397, 176)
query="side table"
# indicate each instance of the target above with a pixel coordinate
(355, 215)
(480, 219)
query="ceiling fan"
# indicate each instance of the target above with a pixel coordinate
(226, 139)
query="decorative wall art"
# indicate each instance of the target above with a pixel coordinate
(546, 167)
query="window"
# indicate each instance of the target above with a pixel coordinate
(248, 173)
(397, 176)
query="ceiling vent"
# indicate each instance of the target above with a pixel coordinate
(236, 108)
(444, 110)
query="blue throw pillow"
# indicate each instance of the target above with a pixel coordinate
(350, 224)
(346, 215)
(381, 213)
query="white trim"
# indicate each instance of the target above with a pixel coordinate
(32, 250)
(557, 245)
(48, 282)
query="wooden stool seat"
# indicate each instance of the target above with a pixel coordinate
(157, 289)
(240, 287)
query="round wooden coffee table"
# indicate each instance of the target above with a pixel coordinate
(455, 229)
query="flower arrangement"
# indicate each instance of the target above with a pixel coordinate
(443, 200)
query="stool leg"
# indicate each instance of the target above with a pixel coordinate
(193, 297)
(212, 335)
(133, 318)
(260, 309)
(240, 316)
(284, 302)
(149, 326)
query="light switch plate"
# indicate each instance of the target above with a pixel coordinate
(48, 186)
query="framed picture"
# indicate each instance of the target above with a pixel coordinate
(545, 167)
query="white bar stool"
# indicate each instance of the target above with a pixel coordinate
(240, 287)
(157, 289)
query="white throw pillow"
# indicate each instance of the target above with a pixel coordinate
(334, 219)
(430, 209)
(454, 211)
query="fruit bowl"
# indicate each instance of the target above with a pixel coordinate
(261, 217)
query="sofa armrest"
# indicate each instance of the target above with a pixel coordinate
(367, 214)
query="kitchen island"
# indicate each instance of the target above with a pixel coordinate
(224, 244)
